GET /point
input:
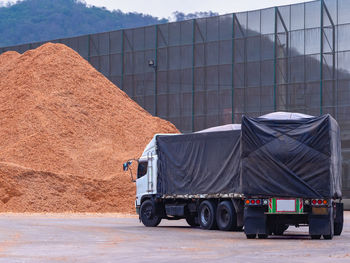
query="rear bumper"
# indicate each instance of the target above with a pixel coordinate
(258, 221)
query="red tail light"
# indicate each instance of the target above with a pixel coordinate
(256, 202)
(319, 202)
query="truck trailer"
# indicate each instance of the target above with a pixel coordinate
(192, 176)
(291, 175)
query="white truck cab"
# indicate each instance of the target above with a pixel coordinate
(146, 177)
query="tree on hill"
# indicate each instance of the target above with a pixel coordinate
(39, 20)
(28, 21)
(179, 16)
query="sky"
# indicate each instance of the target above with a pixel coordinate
(165, 8)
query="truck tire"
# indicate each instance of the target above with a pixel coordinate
(226, 217)
(251, 236)
(279, 229)
(239, 229)
(328, 237)
(338, 228)
(148, 214)
(206, 215)
(315, 236)
(191, 220)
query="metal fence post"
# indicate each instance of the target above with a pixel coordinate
(321, 60)
(122, 60)
(232, 67)
(193, 65)
(88, 47)
(275, 63)
(156, 74)
(109, 55)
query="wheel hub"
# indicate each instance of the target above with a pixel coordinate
(225, 217)
(148, 212)
(205, 215)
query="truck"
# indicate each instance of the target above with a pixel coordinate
(194, 176)
(291, 175)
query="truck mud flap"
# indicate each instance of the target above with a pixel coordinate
(339, 217)
(255, 221)
(239, 207)
(321, 224)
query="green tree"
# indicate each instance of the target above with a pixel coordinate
(39, 20)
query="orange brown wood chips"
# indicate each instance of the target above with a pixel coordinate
(65, 131)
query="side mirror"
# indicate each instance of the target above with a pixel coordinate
(126, 165)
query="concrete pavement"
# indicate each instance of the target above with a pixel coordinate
(117, 238)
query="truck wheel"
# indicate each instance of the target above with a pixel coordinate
(328, 237)
(251, 236)
(206, 215)
(278, 230)
(148, 214)
(315, 236)
(226, 216)
(192, 220)
(338, 228)
(239, 229)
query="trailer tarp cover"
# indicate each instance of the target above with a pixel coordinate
(202, 163)
(291, 157)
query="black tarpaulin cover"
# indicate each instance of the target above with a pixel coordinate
(291, 158)
(202, 163)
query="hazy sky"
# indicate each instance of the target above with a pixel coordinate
(165, 8)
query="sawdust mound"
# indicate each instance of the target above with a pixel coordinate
(7, 57)
(65, 131)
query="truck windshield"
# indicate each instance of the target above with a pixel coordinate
(142, 169)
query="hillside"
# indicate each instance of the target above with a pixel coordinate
(38, 20)
(30, 21)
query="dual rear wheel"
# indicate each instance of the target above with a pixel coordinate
(213, 216)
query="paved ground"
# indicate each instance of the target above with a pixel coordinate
(115, 238)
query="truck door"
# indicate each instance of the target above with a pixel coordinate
(145, 180)
(141, 181)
